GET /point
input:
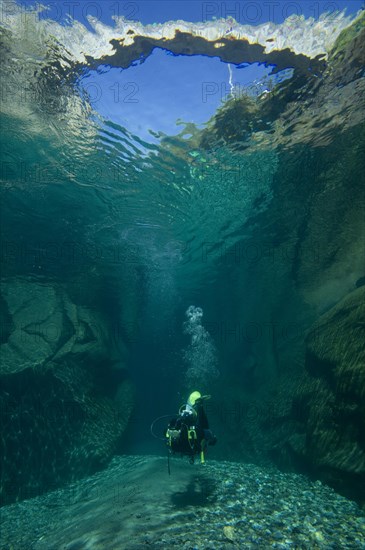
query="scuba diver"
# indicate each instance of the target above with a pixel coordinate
(188, 433)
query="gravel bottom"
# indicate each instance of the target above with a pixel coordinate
(135, 505)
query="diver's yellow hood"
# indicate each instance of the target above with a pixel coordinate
(193, 398)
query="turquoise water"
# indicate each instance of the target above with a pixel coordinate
(179, 216)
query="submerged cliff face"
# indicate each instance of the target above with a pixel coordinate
(65, 399)
(301, 389)
(335, 360)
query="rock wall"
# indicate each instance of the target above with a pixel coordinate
(295, 391)
(300, 389)
(335, 359)
(65, 401)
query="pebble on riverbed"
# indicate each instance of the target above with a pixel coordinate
(222, 506)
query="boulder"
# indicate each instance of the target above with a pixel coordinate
(65, 400)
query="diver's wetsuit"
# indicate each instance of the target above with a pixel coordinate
(186, 421)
